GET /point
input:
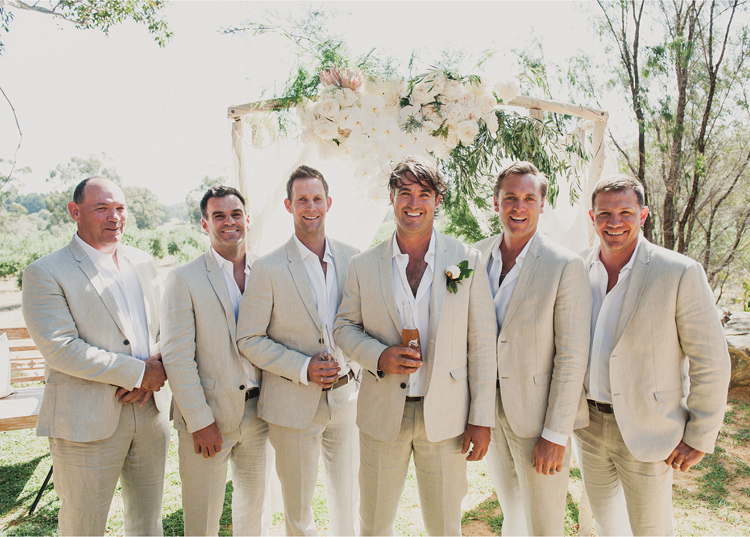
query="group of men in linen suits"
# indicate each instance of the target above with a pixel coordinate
(528, 346)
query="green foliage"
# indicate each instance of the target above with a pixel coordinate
(486, 512)
(144, 207)
(193, 198)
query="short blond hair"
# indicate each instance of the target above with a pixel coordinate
(522, 167)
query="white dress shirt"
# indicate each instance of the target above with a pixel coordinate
(325, 291)
(604, 318)
(227, 270)
(502, 293)
(420, 306)
(123, 284)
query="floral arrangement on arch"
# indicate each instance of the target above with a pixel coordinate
(378, 122)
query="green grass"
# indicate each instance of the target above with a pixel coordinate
(486, 512)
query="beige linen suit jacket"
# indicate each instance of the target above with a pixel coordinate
(460, 361)
(543, 345)
(668, 321)
(199, 348)
(74, 321)
(279, 329)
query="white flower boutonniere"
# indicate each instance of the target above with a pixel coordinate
(455, 273)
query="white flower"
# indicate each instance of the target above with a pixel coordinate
(307, 137)
(430, 112)
(467, 131)
(506, 90)
(375, 86)
(453, 272)
(392, 100)
(479, 88)
(443, 152)
(346, 97)
(408, 111)
(466, 99)
(430, 126)
(325, 129)
(327, 149)
(473, 112)
(491, 121)
(328, 108)
(438, 81)
(486, 102)
(454, 113)
(348, 118)
(422, 93)
(453, 89)
(399, 86)
(372, 105)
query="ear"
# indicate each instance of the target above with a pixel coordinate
(328, 205)
(74, 211)
(204, 225)
(438, 199)
(288, 205)
(541, 207)
(591, 215)
(496, 204)
(390, 194)
(644, 214)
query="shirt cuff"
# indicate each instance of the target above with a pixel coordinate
(140, 379)
(303, 373)
(555, 438)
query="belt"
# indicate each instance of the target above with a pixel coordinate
(341, 382)
(604, 408)
(414, 399)
(252, 393)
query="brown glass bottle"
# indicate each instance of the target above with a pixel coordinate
(410, 333)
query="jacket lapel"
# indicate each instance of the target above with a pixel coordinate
(386, 280)
(437, 294)
(341, 269)
(638, 277)
(216, 279)
(297, 270)
(530, 264)
(91, 272)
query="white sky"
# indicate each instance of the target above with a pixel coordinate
(160, 114)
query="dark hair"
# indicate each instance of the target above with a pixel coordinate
(425, 172)
(81, 187)
(522, 167)
(219, 191)
(619, 183)
(304, 172)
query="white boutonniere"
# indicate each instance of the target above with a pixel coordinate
(455, 273)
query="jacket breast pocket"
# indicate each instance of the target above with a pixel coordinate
(665, 396)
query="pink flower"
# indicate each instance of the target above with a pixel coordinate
(342, 79)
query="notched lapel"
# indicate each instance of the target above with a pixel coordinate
(638, 277)
(530, 264)
(341, 269)
(216, 279)
(437, 295)
(386, 282)
(297, 270)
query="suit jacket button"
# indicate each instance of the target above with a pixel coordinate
(320, 341)
(403, 385)
(126, 342)
(242, 386)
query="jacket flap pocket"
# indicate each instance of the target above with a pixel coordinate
(543, 378)
(668, 395)
(208, 383)
(460, 373)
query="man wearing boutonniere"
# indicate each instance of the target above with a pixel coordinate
(214, 391)
(437, 403)
(658, 369)
(309, 394)
(543, 310)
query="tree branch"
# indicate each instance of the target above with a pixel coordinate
(20, 139)
(19, 4)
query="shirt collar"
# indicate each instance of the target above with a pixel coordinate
(496, 254)
(628, 266)
(304, 251)
(428, 257)
(225, 264)
(95, 255)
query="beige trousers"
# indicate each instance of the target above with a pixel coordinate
(333, 432)
(610, 472)
(532, 503)
(248, 453)
(441, 477)
(86, 474)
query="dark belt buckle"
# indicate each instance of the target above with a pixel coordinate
(604, 408)
(341, 382)
(414, 399)
(252, 393)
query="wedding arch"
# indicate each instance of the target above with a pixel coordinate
(354, 129)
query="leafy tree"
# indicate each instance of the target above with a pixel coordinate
(95, 14)
(144, 207)
(193, 198)
(33, 202)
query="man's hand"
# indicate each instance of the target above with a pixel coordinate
(207, 440)
(399, 360)
(683, 457)
(548, 457)
(480, 437)
(126, 397)
(322, 372)
(154, 376)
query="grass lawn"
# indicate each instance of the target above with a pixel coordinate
(712, 499)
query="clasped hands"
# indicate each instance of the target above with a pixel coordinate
(153, 379)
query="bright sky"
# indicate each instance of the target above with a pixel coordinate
(160, 114)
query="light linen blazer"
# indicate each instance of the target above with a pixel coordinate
(75, 323)
(460, 360)
(279, 329)
(668, 321)
(543, 345)
(199, 349)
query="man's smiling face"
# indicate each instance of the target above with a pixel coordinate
(414, 206)
(226, 224)
(617, 219)
(308, 206)
(519, 203)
